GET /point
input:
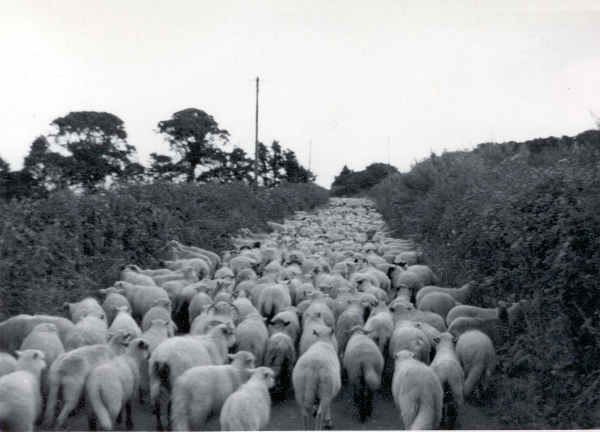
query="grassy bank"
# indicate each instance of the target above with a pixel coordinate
(66, 246)
(523, 219)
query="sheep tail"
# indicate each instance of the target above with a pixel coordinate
(163, 372)
(372, 380)
(363, 397)
(97, 401)
(473, 378)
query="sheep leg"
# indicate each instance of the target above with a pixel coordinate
(169, 425)
(71, 395)
(159, 425)
(328, 423)
(91, 421)
(128, 420)
(119, 419)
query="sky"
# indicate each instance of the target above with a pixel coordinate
(362, 81)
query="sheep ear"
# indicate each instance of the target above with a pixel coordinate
(142, 344)
(315, 332)
(436, 339)
(102, 290)
(286, 323)
(66, 305)
(18, 353)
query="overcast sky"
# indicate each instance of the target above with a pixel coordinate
(346, 75)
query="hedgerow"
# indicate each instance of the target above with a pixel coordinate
(67, 246)
(523, 220)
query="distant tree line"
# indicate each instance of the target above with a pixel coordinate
(89, 150)
(348, 182)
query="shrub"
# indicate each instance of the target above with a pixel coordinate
(67, 246)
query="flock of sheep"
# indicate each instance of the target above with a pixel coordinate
(325, 299)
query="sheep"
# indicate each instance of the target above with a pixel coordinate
(217, 313)
(87, 306)
(246, 275)
(160, 310)
(280, 355)
(402, 278)
(244, 307)
(318, 306)
(287, 322)
(181, 251)
(224, 272)
(353, 316)
(141, 297)
(513, 313)
(496, 328)
(437, 302)
(112, 301)
(88, 331)
(452, 377)
(249, 407)
(317, 379)
(158, 331)
(69, 372)
(403, 310)
(477, 355)
(407, 336)
(197, 305)
(131, 275)
(273, 299)
(380, 327)
(187, 275)
(252, 335)
(20, 398)
(111, 386)
(44, 337)
(8, 364)
(202, 390)
(124, 322)
(408, 258)
(461, 295)
(15, 329)
(417, 392)
(310, 332)
(363, 363)
(241, 262)
(175, 355)
(148, 272)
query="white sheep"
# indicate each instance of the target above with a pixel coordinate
(410, 337)
(461, 295)
(402, 278)
(404, 310)
(249, 407)
(201, 391)
(437, 302)
(160, 310)
(380, 327)
(16, 328)
(245, 307)
(217, 313)
(447, 367)
(88, 331)
(310, 333)
(141, 297)
(44, 337)
(513, 313)
(317, 379)
(495, 328)
(353, 316)
(417, 393)
(124, 322)
(8, 364)
(87, 306)
(112, 301)
(68, 374)
(273, 299)
(197, 305)
(280, 355)
(318, 306)
(363, 363)
(176, 355)
(252, 335)
(112, 385)
(159, 331)
(131, 275)
(287, 322)
(477, 355)
(20, 398)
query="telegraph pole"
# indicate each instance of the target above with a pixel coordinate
(309, 154)
(256, 139)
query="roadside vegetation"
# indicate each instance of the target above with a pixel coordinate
(523, 220)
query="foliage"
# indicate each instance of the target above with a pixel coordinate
(522, 220)
(349, 183)
(97, 146)
(67, 246)
(193, 135)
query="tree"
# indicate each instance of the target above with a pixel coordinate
(294, 172)
(47, 169)
(97, 142)
(275, 163)
(193, 135)
(263, 157)
(13, 184)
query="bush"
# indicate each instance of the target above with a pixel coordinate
(522, 219)
(67, 246)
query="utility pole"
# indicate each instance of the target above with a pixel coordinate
(256, 140)
(309, 154)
